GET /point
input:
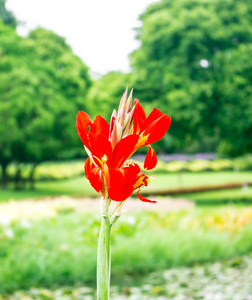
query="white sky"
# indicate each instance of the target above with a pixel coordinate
(99, 31)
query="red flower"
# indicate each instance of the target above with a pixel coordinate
(110, 146)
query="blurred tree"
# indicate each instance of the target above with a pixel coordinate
(233, 70)
(194, 63)
(64, 83)
(7, 16)
(12, 49)
(105, 94)
(43, 85)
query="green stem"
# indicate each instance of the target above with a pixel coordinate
(103, 260)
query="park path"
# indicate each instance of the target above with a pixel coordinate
(51, 206)
(131, 204)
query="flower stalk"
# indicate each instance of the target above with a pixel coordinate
(103, 260)
(104, 252)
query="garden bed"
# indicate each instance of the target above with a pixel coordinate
(54, 244)
(225, 280)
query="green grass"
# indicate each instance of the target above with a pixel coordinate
(80, 186)
(186, 180)
(61, 250)
(197, 281)
(75, 187)
(221, 196)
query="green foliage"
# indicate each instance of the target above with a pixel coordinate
(43, 85)
(234, 99)
(69, 72)
(197, 281)
(6, 16)
(105, 94)
(194, 64)
(61, 250)
(52, 171)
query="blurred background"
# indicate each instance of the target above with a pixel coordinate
(190, 59)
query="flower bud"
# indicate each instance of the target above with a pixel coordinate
(128, 105)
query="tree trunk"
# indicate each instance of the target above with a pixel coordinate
(4, 179)
(31, 176)
(17, 177)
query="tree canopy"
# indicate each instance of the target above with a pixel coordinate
(7, 16)
(194, 63)
(105, 94)
(43, 85)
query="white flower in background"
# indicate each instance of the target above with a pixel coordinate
(64, 247)
(9, 233)
(25, 224)
(4, 220)
(131, 220)
(204, 63)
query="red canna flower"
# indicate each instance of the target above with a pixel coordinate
(109, 147)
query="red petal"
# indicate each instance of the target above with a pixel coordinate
(88, 166)
(145, 199)
(100, 146)
(82, 123)
(95, 180)
(93, 175)
(153, 116)
(157, 129)
(100, 126)
(121, 182)
(123, 150)
(137, 168)
(139, 118)
(150, 161)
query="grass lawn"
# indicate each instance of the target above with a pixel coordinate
(186, 180)
(76, 187)
(79, 186)
(221, 196)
